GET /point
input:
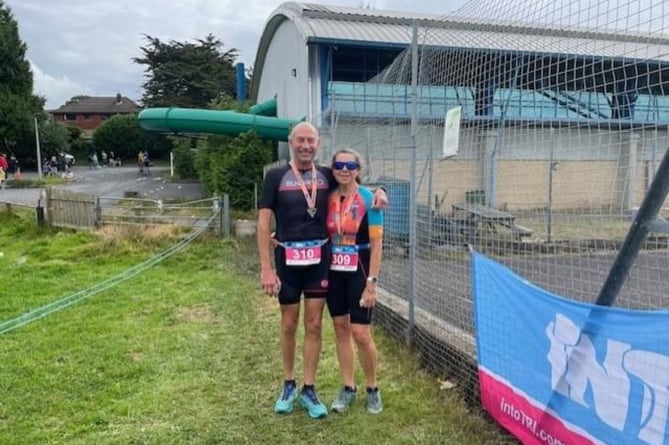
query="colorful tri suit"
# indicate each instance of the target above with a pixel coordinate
(351, 223)
(352, 220)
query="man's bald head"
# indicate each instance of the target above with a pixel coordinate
(303, 141)
(301, 128)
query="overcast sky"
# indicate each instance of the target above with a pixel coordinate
(86, 46)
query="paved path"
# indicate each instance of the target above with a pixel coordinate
(113, 183)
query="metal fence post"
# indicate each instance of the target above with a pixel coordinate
(98, 213)
(413, 244)
(225, 216)
(219, 204)
(49, 207)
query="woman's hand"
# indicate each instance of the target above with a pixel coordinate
(273, 242)
(368, 299)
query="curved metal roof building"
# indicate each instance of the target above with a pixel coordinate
(309, 53)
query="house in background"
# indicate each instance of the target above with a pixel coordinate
(87, 112)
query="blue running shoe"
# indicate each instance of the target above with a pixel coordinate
(374, 402)
(284, 404)
(344, 399)
(309, 401)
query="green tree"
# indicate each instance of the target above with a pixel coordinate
(18, 105)
(78, 146)
(54, 139)
(187, 74)
(184, 159)
(233, 166)
(123, 135)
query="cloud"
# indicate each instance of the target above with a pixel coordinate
(57, 90)
(87, 47)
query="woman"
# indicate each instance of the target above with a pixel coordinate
(356, 232)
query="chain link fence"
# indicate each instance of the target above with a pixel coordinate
(527, 131)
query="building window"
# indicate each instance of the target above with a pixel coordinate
(355, 64)
(69, 117)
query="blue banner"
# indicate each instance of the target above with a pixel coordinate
(557, 371)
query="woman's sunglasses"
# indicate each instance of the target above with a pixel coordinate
(350, 165)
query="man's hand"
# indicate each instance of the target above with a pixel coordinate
(380, 199)
(270, 282)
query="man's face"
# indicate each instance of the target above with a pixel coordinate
(304, 144)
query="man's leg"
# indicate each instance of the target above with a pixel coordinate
(313, 321)
(313, 326)
(290, 315)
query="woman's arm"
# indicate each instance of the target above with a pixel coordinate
(369, 295)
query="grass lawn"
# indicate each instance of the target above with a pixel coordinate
(184, 353)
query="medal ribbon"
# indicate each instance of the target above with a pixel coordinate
(343, 210)
(311, 199)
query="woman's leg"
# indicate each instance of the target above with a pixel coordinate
(345, 351)
(362, 335)
(346, 356)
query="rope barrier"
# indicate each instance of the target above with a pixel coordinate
(39, 313)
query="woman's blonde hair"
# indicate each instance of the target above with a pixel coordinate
(355, 154)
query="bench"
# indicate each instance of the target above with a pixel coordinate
(521, 231)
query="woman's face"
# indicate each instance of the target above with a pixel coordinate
(345, 168)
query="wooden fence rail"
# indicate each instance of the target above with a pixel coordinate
(82, 211)
(72, 210)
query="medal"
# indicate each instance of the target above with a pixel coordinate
(309, 197)
(342, 211)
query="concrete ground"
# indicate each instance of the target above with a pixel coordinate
(113, 183)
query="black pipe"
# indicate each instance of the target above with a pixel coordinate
(40, 213)
(636, 235)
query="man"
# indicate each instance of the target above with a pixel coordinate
(296, 194)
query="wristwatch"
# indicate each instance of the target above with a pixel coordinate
(372, 279)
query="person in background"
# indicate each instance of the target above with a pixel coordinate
(93, 160)
(50, 166)
(296, 196)
(62, 163)
(146, 163)
(13, 167)
(355, 229)
(4, 165)
(69, 161)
